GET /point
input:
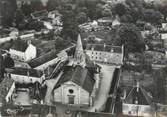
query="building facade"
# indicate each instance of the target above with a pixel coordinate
(78, 84)
(105, 53)
(26, 76)
(23, 52)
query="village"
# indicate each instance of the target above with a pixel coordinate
(100, 58)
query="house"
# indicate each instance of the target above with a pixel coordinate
(25, 76)
(48, 59)
(55, 17)
(137, 102)
(77, 85)
(105, 53)
(164, 25)
(116, 21)
(105, 21)
(7, 88)
(89, 26)
(22, 51)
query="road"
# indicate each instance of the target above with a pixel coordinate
(100, 101)
(50, 85)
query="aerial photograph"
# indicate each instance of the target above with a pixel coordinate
(83, 58)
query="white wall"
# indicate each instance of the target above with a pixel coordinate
(17, 55)
(62, 93)
(10, 92)
(133, 109)
(25, 79)
(164, 36)
(30, 53)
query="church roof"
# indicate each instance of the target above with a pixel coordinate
(78, 75)
(140, 94)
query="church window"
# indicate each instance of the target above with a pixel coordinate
(71, 91)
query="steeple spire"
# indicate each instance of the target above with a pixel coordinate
(79, 56)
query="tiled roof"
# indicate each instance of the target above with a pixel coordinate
(26, 72)
(4, 88)
(99, 34)
(81, 76)
(141, 95)
(40, 14)
(102, 47)
(19, 45)
(43, 59)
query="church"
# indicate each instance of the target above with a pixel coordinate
(78, 84)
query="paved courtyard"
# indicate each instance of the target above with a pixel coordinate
(107, 73)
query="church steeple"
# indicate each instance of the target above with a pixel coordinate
(79, 56)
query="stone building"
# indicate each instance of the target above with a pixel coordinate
(22, 51)
(105, 53)
(77, 85)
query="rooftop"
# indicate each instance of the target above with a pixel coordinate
(18, 44)
(26, 72)
(43, 59)
(103, 47)
(81, 76)
(138, 94)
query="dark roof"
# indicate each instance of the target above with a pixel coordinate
(4, 88)
(99, 34)
(26, 72)
(141, 95)
(19, 45)
(93, 114)
(81, 76)
(103, 47)
(43, 59)
(40, 14)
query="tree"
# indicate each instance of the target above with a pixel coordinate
(130, 36)
(53, 4)
(26, 9)
(152, 16)
(106, 12)
(119, 9)
(19, 17)
(1, 66)
(7, 10)
(8, 62)
(70, 25)
(37, 5)
(82, 17)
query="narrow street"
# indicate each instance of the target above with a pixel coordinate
(107, 73)
(50, 85)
